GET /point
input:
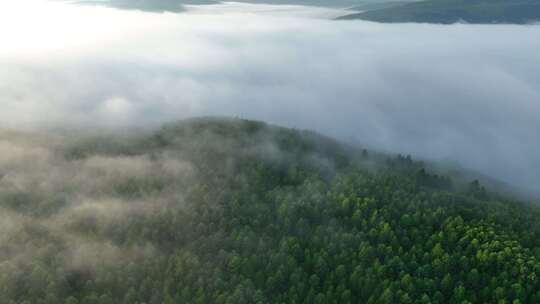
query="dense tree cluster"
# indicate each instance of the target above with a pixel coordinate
(275, 216)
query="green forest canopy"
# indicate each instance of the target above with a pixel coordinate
(237, 211)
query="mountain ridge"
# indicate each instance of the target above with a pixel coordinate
(455, 11)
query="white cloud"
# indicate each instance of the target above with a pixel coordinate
(463, 92)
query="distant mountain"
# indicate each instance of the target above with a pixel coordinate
(178, 5)
(149, 5)
(324, 3)
(453, 11)
(376, 5)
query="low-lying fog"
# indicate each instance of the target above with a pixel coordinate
(465, 93)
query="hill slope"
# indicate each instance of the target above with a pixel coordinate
(452, 11)
(235, 211)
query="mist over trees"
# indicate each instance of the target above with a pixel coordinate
(106, 205)
(236, 211)
(463, 93)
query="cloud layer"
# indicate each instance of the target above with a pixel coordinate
(467, 93)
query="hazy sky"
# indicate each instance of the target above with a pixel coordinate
(469, 93)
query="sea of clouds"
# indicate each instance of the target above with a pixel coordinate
(463, 93)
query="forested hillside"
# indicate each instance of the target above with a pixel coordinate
(236, 211)
(452, 11)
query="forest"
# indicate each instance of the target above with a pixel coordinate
(232, 211)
